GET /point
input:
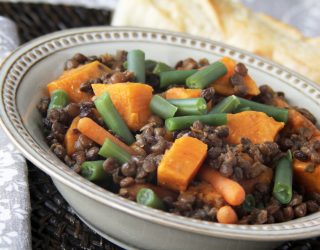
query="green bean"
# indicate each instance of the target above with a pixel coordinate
(278, 114)
(58, 99)
(190, 106)
(110, 149)
(183, 122)
(93, 171)
(249, 203)
(241, 109)
(112, 118)
(205, 76)
(149, 65)
(137, 65)
(161, 67)
(147, 197)
(175, 77)
(282, 189)
(227, 105)
(161, 107)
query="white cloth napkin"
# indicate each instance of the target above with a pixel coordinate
(14, 191)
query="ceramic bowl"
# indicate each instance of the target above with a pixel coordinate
(23, 78)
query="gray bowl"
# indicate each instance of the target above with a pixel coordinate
(23, 78)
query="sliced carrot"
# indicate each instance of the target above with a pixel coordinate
(297, 121)
(72, 136)
(181, 93)
(231, 191)
(181, 163)
(227, 215)
(222, 85)
(130, 99)
(69, 72)
(71, 80)
(256, 126)
(98, 134)
(310, 180)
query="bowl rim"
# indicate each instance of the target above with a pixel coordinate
(271, 232)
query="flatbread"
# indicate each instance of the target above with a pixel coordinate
(230, 22)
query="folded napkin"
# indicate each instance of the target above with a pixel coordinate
(14, 191)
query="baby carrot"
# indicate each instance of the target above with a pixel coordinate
(230, 190)
(71, 136)
(98, 134)
(227, 215)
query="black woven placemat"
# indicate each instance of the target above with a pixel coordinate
(34, 20)
(54, 225)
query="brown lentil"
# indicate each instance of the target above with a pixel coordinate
(296, 200)
(187, 64)
(254, 170)
(259, 216)
(315, 196)
(300, 210)
(208, 94)
(92, 153)
(126, 182)
(288, 213)
(222, 131)
(278, 216)
(72, 109)
(156, 120)
(110, 165)
(86, 87)
(241, 69)
(43, 105)
(273, 206)
(312, 206)
(159, 147)
(141, 173)
(67, 159)
(58, 150)
(71, 64)
(86, 109)
(79, 157)
(301, 156)
(129, 169)
(236, 80)
(76, 168)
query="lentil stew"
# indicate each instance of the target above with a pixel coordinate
(197, 139)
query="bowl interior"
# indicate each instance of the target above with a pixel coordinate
(25, 74)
